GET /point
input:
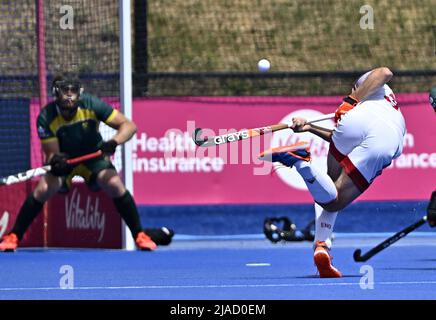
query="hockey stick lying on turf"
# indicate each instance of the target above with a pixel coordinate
(358, 257)
(36, 172)
(247, 133)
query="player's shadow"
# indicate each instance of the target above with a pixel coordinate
(30, 250)
(291, 277)
(409, 269)
(426, 260)
(317, 276)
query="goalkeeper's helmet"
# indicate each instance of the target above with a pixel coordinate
(67, 90)
(278, 229)
(283, 229)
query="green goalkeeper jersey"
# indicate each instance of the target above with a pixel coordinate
(79, 135)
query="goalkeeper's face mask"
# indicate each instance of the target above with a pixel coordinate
(68, 96)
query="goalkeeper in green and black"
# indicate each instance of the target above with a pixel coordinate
(68, 128)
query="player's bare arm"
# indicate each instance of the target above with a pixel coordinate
(323, 133)
(125, 128)
(50, 149)
(376, 79)
(301, 125)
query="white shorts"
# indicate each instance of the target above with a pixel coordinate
(367, 139)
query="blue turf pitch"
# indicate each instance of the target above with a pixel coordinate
(222, 269)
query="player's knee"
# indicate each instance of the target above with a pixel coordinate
(113, 186)
(40, 194)
(45, 190)
(334, 206)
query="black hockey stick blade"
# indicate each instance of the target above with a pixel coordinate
(196, 137)
(358, 257)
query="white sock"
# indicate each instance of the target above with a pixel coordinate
(324, 223)
(320, 185)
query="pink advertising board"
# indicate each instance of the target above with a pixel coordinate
(170, 169)
(83, 218)
(80, 218)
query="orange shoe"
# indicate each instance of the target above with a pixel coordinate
(9, 243)
(323, 261)
(288, 155)
(144, 242)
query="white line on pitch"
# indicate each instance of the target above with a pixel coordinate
(260, 264)
(321, 284)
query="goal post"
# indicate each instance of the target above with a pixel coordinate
(126, 103)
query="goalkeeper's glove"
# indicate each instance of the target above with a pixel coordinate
(347, 104)
(59, 165)
(109, 147)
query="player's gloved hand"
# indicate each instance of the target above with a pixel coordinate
(431, 210)
(347, 104)
(109, 147)
(59, 165)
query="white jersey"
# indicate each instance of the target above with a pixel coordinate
(381, 104)
(369, 136)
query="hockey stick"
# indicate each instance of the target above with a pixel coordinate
(430, 217)
(247, 133)
(358, 257)
(36, 172)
